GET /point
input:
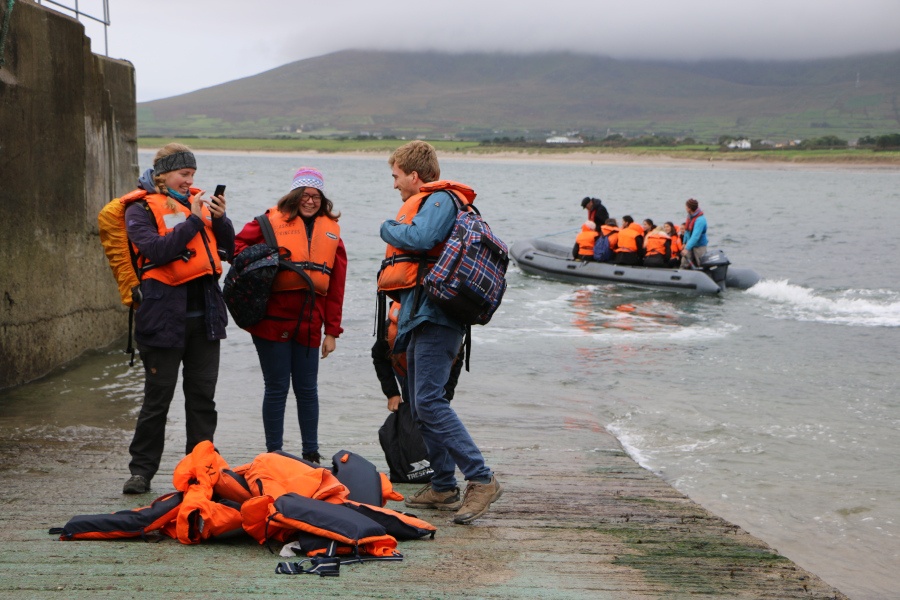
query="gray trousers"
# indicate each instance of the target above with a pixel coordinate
(694, 255)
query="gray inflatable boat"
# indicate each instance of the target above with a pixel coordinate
(540, 257)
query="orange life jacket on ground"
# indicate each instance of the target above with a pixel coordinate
(138, 522)
(627, 241)
(403, 269)
(585, 240)
(657, 242)
(201, 256)
(277, 473)
(402, 526)
(199, 516)
(315, 256)
(280, 519)
(232, 485)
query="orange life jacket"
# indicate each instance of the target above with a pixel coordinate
(627, 241)
(315, 256)
(277, 473)
(138, 522)
(585, 240)
(280, 519)
(232, 485)
(201, 255)
(612, 233)
(677, 245)
(655, 243)
(398, 360)
(402, 526)
(199, 516)
(404, 269)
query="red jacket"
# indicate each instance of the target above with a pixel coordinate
(284, 307)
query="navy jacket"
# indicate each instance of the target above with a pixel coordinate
(160, 320)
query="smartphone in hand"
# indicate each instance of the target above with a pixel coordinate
(220, 189)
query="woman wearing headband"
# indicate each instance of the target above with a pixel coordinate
(180, 239)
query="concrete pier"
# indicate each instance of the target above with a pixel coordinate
(578, 518)
(68, 144)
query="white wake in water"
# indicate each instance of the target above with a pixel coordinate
(866, 308)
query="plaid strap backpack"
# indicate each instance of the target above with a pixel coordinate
(469, 279)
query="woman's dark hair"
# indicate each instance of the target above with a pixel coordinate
(672, 225)
(652, 224)
(289, 204)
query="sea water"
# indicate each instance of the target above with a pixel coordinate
(777, 408)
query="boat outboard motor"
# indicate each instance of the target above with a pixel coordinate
(715, 264)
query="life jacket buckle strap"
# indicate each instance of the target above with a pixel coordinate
(323, 566)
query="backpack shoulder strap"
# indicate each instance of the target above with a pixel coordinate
(460, 205)
(268, 233)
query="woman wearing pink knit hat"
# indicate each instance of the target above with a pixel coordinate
(305, 300)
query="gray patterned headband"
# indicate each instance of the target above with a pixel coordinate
(173, 162)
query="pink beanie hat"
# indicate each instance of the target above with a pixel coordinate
(308, 177)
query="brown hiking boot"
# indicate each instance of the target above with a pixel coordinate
(427, 497)
(478, 498)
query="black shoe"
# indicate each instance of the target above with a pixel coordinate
(312, 457)
(137, 484)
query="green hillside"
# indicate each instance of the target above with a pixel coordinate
(484, 96)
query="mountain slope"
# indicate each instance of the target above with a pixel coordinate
(485, 95)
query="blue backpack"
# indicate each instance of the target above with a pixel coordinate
(602, 251)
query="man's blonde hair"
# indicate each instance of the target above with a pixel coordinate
(417, 156)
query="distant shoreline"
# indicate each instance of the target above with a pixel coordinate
(846, 161)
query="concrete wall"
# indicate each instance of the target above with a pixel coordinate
(68, 144)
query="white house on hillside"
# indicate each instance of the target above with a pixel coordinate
(739, 144)
(562, 139)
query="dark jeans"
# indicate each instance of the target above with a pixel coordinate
(631, 259)
(430, 355)
(656, 260)
(284, 363)
(200, 358)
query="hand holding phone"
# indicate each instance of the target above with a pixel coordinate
(218, 201)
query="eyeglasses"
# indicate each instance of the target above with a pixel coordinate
(310, 198)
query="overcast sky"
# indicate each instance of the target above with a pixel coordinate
(178, 46)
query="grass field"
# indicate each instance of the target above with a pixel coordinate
(699, 152)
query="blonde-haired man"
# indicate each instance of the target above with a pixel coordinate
(430, 338)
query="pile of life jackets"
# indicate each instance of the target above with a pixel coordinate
(277, 497)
